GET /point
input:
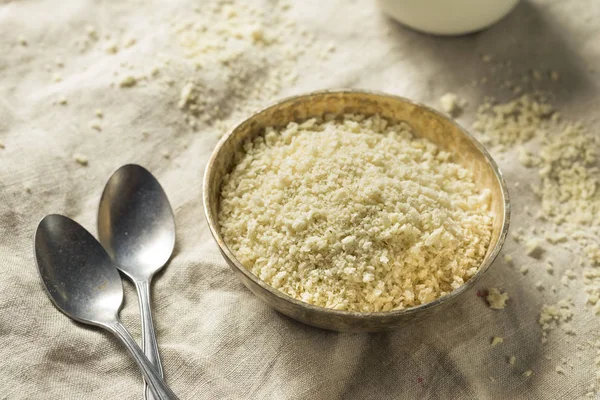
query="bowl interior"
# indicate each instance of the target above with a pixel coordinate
(424, 121)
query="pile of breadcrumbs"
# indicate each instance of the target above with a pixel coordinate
(567, 163)
(566, 158)
(354, 214)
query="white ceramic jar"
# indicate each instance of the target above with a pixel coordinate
(447, 17)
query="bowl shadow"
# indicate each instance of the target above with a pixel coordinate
(529, 38)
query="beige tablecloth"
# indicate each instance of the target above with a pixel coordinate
(216, 339)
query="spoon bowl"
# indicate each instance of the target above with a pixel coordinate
(136, 225)
(87, 287)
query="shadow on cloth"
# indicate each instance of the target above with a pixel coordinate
(528, 37)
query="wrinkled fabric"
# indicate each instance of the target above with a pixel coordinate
(218, 341)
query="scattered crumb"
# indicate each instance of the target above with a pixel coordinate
(496, 340)
(98, 112)
(166, 155)
(508, 259)
(452, 104)
(81, 159)
(554, 75)
(533, 248)
(568, 329)
(511, 123)
(91, 32)
(95, 125)
(185, 96)
(128, 81)
(524, 269)
(552, 316)
(486, 58)
(569, 274)
(539, 285)
(111, 47)
(496, 300)
(2, 146)
(526, 158)
(527, 373)
(559, 370)
(62, 101)
(22, 41)
(556, 238)
(155, 70)
(128, 42)
(56, 77)
(512, 360)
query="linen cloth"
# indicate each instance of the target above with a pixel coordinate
(217, 341)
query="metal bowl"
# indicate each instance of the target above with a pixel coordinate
(426, 122)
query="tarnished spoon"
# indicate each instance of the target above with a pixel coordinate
(137, 228)
(84, 284)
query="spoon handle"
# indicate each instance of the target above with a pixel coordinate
(149, 344)
(158, 387)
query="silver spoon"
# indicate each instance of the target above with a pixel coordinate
(137, 228)
(84, 284)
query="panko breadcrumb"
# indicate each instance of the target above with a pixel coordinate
(354, 214)
(496, 299)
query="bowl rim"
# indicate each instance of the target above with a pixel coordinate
(233, 261)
